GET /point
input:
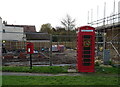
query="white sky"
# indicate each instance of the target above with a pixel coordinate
(38, 12)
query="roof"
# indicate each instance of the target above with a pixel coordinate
(37, 36)
(108, 26)
(27, 28)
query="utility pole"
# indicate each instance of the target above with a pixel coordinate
(91, 16)
(113, 14)
(88, 18)
(104, 13)
(97, 14)
(97, 32)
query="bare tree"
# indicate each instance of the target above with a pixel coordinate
(68, 23)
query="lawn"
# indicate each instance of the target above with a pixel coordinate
(36, 69)
(57, 69)
(60, 80)
(107, 70)
(90, 79)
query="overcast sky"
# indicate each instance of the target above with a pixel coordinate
(38, 12)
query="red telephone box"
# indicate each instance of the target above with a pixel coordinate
(85, 49)
(30, 48)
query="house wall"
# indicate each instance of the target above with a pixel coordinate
(119, 11)
(0, 29)
(0, 39)
(12, 33)
(113, 35)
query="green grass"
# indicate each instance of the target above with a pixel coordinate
(0, 80)
(36, 69)
(60, 80)
(107, 70)
(57, 69)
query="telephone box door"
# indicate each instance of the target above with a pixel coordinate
(85, 49)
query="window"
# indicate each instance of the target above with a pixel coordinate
(87, 48)
(86, 64)
(87, 36)
(86, 52)
(86, 56)
(86, 60)
(3, 30)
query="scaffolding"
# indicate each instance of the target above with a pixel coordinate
(108, 29)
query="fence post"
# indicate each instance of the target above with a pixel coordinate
(30, 61)
(50, 49)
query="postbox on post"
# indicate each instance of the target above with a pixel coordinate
(30, 48)
(85, 49)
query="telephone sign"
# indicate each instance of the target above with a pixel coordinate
(30, 48)
(85, 49)
(86, 30)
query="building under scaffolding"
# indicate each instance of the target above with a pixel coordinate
(108, 37)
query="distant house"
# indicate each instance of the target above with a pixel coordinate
(16, 32)
(27, 28)
(14, 36)
(12, 33)
(119, 11)
(38, 37)
(40, 40)
(0, 28)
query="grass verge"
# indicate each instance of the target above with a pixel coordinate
(36, 69)
(57, 69)
(107, 70)
(60, 80)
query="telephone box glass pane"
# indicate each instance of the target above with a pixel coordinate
(86, 56)
(86, 60)
(87, 36)
(86, 64)
(86, 52)
(87, 48)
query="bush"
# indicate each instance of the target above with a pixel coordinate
(97, 64)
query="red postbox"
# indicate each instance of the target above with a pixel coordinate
(30, 48)
(85, 49)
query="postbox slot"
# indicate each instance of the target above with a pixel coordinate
(29, 44)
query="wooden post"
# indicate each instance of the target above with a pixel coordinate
(50, 49)
(30, 61)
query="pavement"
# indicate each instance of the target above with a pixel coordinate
(59, 74)
(39, 74)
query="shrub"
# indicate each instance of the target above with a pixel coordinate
(97, 64)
